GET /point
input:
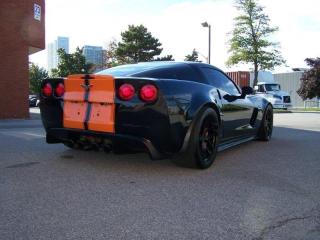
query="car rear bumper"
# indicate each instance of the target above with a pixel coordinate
(60, 135)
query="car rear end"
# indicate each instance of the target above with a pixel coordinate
(103, 111)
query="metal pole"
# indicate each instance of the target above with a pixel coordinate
(209, 55)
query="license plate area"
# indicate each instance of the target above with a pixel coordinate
(101, 117)
(89, 103)
(74, 114)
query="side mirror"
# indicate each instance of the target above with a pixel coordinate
(246, 91)
(256, 88)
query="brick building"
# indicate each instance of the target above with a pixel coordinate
(22, 32)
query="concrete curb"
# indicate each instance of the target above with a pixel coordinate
(15, 123)
(305, 111)
(293, 111)
(276, 112)
(33, 122)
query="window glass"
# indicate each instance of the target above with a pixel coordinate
(272, 87)
(154, 70)
(166, 73)
(176, 72)
(125, 70)
(261, 88)
(219, 80)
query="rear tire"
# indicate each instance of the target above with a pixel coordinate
(203, 142)
(266, 127)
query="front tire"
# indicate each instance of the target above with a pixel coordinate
(266, 127)
(203, 142)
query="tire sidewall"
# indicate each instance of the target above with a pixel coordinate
(263, 133)
(195, 137)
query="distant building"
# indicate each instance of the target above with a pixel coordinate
(53, 58)
(94, 55)
(22, 33)
(290, 82)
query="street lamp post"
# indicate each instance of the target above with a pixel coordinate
(205, 24)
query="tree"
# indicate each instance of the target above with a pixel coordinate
(36, 74)
(250, 39)
(310, 80)
(73, 63)
(138, 45)
(193, 57)
(165, 58)
(110, 56)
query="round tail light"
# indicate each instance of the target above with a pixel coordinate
(148, 93)
(47, 90)
(59, 91)
(126, 91)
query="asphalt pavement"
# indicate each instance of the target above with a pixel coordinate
(258, 190)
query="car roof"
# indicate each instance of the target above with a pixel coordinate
(161, 64)
(147, 66)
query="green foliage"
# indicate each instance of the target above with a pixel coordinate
(310, 80)
(193, 57)
(165, 58)
(250, 42)
(73, 63)
(36, 74)
(138, 45)
(110, 56)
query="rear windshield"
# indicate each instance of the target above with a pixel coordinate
(130, 69)
(154, 70)
(181, 72)
(125, 70)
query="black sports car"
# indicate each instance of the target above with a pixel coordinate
(185, 110)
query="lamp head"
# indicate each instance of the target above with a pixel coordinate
(205, 24)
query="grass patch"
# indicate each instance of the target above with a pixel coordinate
(307, 109)
(281, 111)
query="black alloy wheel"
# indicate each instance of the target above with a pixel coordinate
(266, 128)
(207, 140)
(203, 143)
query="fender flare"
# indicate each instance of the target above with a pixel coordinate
(197, 115)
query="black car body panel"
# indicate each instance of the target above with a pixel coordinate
(164, 126)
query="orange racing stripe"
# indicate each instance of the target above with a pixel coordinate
(101, 97)
(90, 107)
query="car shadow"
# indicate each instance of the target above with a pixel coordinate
(238, 157)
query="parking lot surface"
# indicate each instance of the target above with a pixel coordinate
(258, 190)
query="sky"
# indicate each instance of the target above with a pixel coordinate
(177, 25)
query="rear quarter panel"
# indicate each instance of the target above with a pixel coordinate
(184, 100)
(141, 119)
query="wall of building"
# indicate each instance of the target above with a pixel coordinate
(290, 82)
(21, 35)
